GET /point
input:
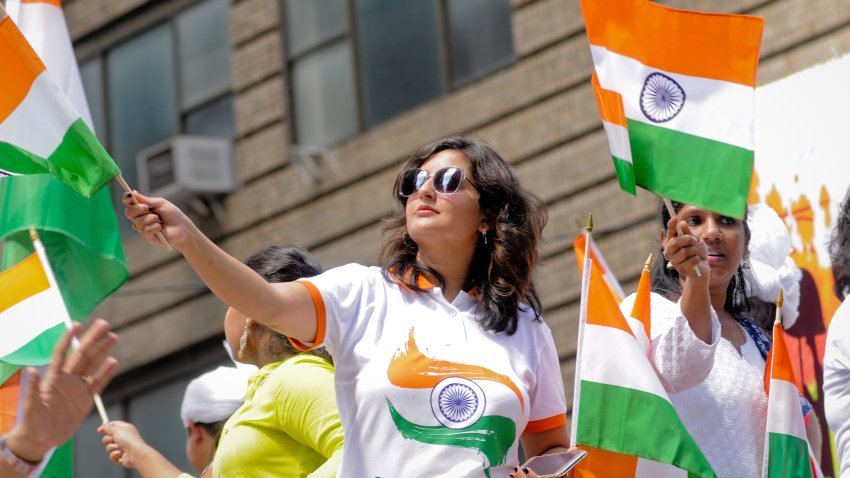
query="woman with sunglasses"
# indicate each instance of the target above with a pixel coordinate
(444, 365)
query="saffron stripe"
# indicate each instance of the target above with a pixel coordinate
(22, 281)
(544, 424)
(711, 45)
(694, 170)
(20, 66)
(321, 318)
(610, 103)
(633, 422)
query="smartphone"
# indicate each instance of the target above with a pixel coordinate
(556, 465)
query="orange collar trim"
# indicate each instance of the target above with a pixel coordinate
(421, 281)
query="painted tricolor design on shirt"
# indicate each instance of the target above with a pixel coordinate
(786, 451)
(40, 131)
(676, 93)
(457, 402)
(622, 415)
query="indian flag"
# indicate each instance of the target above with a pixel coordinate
(786, 452)
(621, 414)
(40, 130)
(29, 305)
(676, 93)
(599, 261)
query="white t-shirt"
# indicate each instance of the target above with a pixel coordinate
(836, 383)
(422, 389)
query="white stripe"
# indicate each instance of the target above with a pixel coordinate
(653, 469)
(714, 109)
(43, 25)
(40, 122)
(618, 141)
(640, 334)
(783, 410)
(27, 319)
(614, 357)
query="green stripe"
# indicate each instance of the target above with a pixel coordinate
(625, 175)
(788, 457)
(691, 169)
(61, 464)
(79, 161)
(637, 423)
(491, 435)
(37, 351)
(80, 235)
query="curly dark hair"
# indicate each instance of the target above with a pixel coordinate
(666, 281)
(284, 264)
(501, 270)
(839, 250)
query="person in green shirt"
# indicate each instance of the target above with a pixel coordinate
(289, 424)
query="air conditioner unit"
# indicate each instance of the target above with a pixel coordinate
(184, 167)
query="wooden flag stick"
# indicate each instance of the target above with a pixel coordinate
(672, 213)
(126, 187)
(75, 342)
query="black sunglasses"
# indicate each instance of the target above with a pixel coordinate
(446, 180)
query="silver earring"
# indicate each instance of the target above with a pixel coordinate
(243, 342)
(405, 238)
(484, 235)
(669, 266)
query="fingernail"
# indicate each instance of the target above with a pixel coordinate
(525, 470)
(150, 208)
(516, 468)
(128, 194)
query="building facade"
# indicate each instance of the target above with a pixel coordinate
(322, 99)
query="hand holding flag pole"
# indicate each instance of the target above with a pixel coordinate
(672, 213)
(127, 189)
(75, 343)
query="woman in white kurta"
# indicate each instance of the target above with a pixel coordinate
(443, 364)
(836, 360)
(708, 352)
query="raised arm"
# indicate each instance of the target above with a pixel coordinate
(285, 307)
(687, 252)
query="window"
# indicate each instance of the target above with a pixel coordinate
(355, 64)
(174, 77)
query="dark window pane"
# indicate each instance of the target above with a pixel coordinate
(481, 37)
(91, 73)
(142, 97)
(90, 458)
(399, 49)
(310, 22)
(157, 416)
(323, 97)
(215, 119)
(203, 35)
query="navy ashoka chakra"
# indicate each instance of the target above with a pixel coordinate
(661, 98)
(458, 402)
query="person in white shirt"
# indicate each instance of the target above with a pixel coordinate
(706, 347)
(836, 360)
(444, 365)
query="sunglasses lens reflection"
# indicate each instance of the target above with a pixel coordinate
(446, 181)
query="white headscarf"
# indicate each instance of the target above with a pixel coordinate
(771, 265)
(215, 395)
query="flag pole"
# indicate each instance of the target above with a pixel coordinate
(672, 213)
(582, 318)
(75, 343)
(127, 189)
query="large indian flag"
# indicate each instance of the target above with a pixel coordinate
(787, 453)
(40, 130)
(676, 93)
(621, 414)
